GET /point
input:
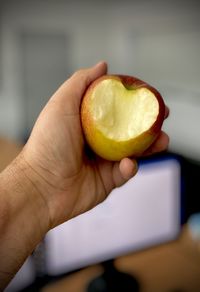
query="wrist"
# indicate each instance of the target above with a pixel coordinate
(24, 218)
(24, 210)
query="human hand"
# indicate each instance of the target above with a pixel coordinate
(55, 157)
(53, 179)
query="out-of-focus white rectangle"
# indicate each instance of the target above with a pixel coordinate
(24, 277)
(142, 213)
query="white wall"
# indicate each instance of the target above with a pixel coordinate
(154, 40)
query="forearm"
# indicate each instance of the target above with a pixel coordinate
(23, 219)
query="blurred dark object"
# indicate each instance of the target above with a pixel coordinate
(191, 187)
(113, 280)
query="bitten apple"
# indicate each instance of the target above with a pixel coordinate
(121, 116)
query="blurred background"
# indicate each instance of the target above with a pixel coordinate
(42, 42)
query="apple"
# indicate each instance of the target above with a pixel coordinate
(121, 116)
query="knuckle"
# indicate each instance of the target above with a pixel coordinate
(80, 73)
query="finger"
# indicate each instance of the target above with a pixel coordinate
(166, 112)
(123, 171)
(159, 145)
(73, 89)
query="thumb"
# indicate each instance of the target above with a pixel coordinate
(82, 78)
(71, 91)
(123, 171)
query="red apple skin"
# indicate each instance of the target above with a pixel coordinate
(116, 150)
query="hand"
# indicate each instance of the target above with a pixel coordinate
(68, 181)
(53, 179)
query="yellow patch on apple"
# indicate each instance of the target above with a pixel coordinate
(121, 116)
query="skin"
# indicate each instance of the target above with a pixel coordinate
(53, 179)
